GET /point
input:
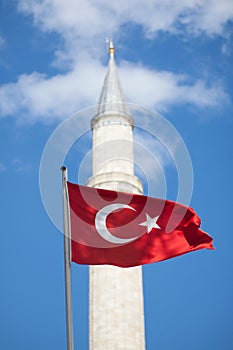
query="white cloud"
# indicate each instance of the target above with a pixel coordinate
(36, 96)
(82, 22)
(162, 88)
(87, 18)
(212, 16)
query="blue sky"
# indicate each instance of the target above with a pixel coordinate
(173, 57)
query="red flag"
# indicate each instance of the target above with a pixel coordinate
(122, 229)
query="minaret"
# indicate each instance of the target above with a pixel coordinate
(116, 312)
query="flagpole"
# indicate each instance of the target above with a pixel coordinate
(67, 261)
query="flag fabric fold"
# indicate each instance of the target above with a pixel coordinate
(125, 230)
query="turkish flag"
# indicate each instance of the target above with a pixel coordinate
(123, 229)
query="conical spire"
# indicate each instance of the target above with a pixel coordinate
(111, 99)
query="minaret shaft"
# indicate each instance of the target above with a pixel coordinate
(116, 312)
(116, 309)
(113, 166)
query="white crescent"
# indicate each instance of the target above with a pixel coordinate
(100, 223)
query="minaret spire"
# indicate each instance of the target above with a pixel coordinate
(111, 49)
(111, 99)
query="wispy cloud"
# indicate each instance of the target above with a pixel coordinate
(159, 89)
(69, 20)
(37, 96)
(3, 168)
(17, 165)
(2, 41)
(70, 17)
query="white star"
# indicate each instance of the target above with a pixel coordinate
(150, 223)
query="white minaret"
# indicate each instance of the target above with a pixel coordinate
(116, 312)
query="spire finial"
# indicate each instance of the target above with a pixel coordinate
(111, 49)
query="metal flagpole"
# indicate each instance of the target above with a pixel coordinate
(67, 261)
